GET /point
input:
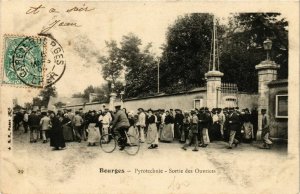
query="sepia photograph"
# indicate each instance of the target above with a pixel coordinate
(149, 97)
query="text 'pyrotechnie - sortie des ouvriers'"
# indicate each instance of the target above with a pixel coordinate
(157, 171)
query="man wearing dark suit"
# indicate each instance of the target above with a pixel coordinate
(233, 126)
(34, 123)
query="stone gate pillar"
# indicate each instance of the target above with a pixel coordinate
(267, 72)
(213, 88)
(112, 100)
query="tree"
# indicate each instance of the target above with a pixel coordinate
(257, 27)
(28, 105)
(242, 47)
(140, 65)
(102, 93)
(46, 93)
(44, 96)
(185, 56)
(111, 64)
(59, 104)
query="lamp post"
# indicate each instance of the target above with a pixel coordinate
(268, 46)
(267, 72)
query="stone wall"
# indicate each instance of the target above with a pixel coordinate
(181, 101)
(184, 101)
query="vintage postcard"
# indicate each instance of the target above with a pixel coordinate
(149, 97)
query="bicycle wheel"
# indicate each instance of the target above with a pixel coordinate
(132, 146)
(108, 143)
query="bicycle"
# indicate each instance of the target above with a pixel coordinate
(109, 142)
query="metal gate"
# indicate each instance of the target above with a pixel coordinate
(229, 95)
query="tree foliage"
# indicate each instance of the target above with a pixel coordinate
(185, 56)
(44, 96)
(112, 64)
(140, 65)
(59, 104)
(242, 47)
(102, 93)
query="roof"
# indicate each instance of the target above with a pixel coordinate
(278, 82)
(68, 101)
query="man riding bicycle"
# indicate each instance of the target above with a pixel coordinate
(120, 124)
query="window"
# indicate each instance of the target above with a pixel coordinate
(230, 101)
(281, 106)
(198, 103)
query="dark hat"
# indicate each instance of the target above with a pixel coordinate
(205, 108)
(237, 108)
(193, 112)
(81, 109)
(51, 111)
(150, 110)
(202, 108)
(141, 109)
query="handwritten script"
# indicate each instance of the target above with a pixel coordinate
(175, 185)
(34, 10)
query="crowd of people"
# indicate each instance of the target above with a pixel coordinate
(196, 128)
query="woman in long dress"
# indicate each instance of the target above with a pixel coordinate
(93, 130)
(133, 130)
(247, 127)
(56, 136)
(166, 133)
(152, 133)
(67, 128)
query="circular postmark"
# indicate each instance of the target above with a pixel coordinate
(39, 61)
(55, 63)
(27, 60)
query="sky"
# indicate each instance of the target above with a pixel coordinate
(83, 45)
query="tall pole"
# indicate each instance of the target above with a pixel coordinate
(214, 44)
(158, 76)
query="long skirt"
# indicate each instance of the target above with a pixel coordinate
(133, 131)
(57, 138)
(214, 132)
(151, 133)
(68, 133)
(184, 133)
(248, 131)
(166, 133)
(94, 133)
(205, 136)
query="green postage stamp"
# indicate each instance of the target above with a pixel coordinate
(23, 60)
